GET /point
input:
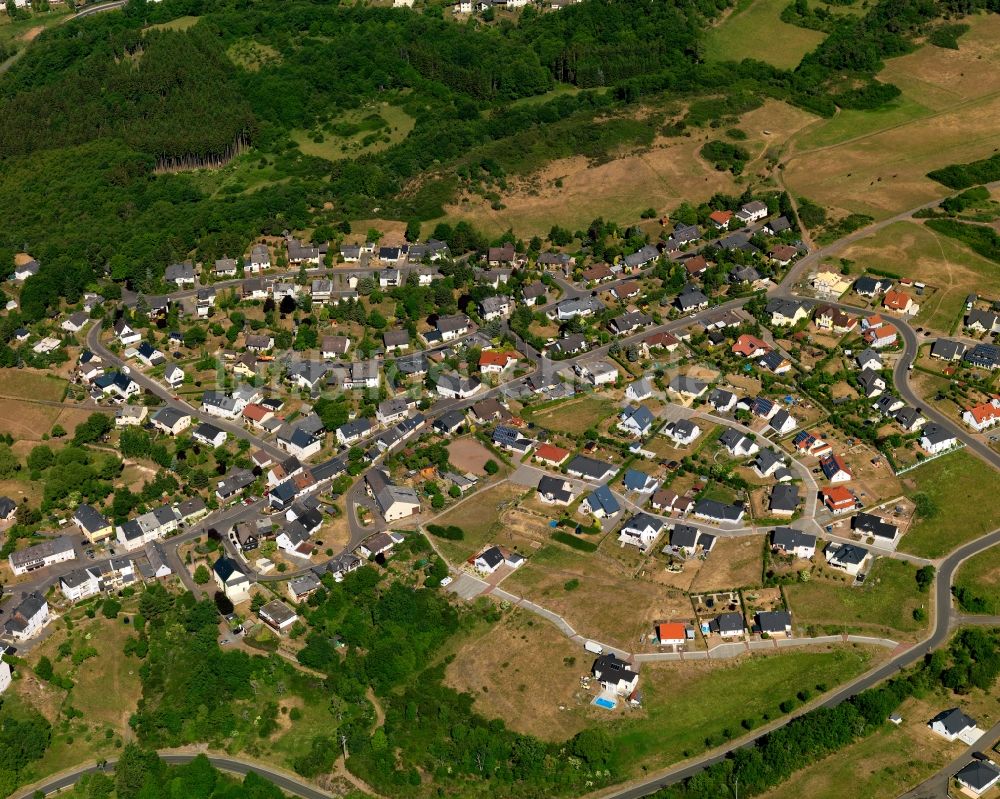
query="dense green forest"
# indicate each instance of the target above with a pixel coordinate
(96, 105)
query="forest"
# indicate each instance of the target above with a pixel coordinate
(97, 106)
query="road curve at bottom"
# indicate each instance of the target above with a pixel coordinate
(284, 781)
(938, 636)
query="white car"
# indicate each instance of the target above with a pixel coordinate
(447, 581)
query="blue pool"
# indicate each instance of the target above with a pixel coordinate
(605, 703)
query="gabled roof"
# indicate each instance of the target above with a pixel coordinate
(954, 721)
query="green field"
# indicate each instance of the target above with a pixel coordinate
(14, 33)
(755, 30)
(687, 703)
(537, 99)
(356, 133)
(884, 605)
(178, 24)
(948, 267)
(574, 416)
(851, 124)
(965, 491)
(979, 576)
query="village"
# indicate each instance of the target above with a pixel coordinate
(718, 427)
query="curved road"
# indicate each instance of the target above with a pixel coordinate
(287, 782)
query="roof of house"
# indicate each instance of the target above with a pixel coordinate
(602, 498)
(492, 557)
(90, 519)
(789, 538)
(227, 567)
(774, 621)
(589, 467)
(936, 434)
(550, 452)
(874, 525)
(785, 497)
(684, 535)
(954, 721)
(979, 774)
(849, 555)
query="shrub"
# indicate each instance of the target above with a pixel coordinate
(573, 541)
(451, 532)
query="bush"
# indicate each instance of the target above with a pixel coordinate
(491, 467)
(451, 532)
(571, 585)
(111, 607)
(202, 575)
(573, 541)
(947, 35)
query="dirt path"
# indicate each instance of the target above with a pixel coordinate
(379, 712)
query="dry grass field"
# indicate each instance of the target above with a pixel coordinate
(914, 250)
(668, 173)
(500, 668)
(606, 603)
(732, 563)
(469, 455)
(479, 516)
(876, 162)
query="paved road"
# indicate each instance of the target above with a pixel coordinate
(939, 636)
(936, 787)
(155, 387)
(287, 782)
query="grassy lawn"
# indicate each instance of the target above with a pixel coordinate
(850, 124)
(30, 384)
(479, 517)
(878, 766)
(18, 32)
(951, 268)
(538, 99)
(179, 24)
(884, 605)
(357, 133)
(980, 577)
(755, 30)
(687, 703)
(574, 416)
(965, 491)
(252, 55)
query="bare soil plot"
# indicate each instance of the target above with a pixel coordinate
(500, 669)
(734, 562)
(469, 455)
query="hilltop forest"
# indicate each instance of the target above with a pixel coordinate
(95, 106)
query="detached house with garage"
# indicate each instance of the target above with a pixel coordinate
(600, 503)
(793, 542)
(615, 675)
(636, 421)
(954, 725)
(231, 579)
(683, 432)
(936, 439)
(641, 530)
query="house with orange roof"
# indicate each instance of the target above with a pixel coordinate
(838, 499)
(983, 416)
(551, 454)
(720, 219)
(900, 301)
(875, 320)
(671, 633)
(257, 414)
(750, 346)
(661, 341)
(881, 335)
(493, 362)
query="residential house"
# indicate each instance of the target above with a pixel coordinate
(782, 254)
(298, 441)
(641, 258)
(738, 444)
(512, 440)
(216, 403)
(849, 558)
(786, 312)
(900, 301)
(879, 336)
(869, 359)
(451, 327)
(171, 420)
(639, 390)
(871, 383)
(947, 349)
(982, 321)
(454, 386)
(775, 362)
(393, 501)
(751, 212)
(875, 526)
(599, 373)
(774, 622)
(721, 400)
(555, 490)
(829, 317)
(260, 259)
(838, 499)
(953, 725)
(551, 455)
(720, 219)
(719, 512)
(683, 432)
(126, 335)
(807, 443)
(277, 615)
(395, 340)
(629, 323)
(23, 271)
(493, 362)
(667, 501)
(983, 356)
(793, 542)
(750, 346)
(768, 463)
(728, 625)
(784, 499)
(776, 226)
(684, 540)
(636, 421)
(639, 482)
(641, 530)
(614, 675)
(978, 777)
(982, 416)
(74, 323)
(92, 523)
(565, 310)
(691, 298)
(868, 286)
(47, 553)
(660, 341)
(590, 469)
(28, 617)
(569, 345)
(335, 346)
(687, 387)
(600, 503)
(231, 579)
(224, 267)
(234, 483)
(936, 439)
(498, 307)
(210, 435)
(835, 469)
(80, 583)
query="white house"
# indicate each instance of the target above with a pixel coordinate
(171, 421)
(954, 725)
(131, 415)
(277, 615)
(738, 444)
(636, 421)
(936, 439)
(174, 376)
(641, 530)
(4, 676)
(599, 373)
(639, 390)
(28, 617)
(126, 335)
(79, 584)
(210, 435)
(793, 542)
(47, 553)
(232, 581)
(846, 557)
(683, 432)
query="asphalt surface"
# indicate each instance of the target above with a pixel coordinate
(285, 781)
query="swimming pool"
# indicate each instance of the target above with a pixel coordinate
(607, 704)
